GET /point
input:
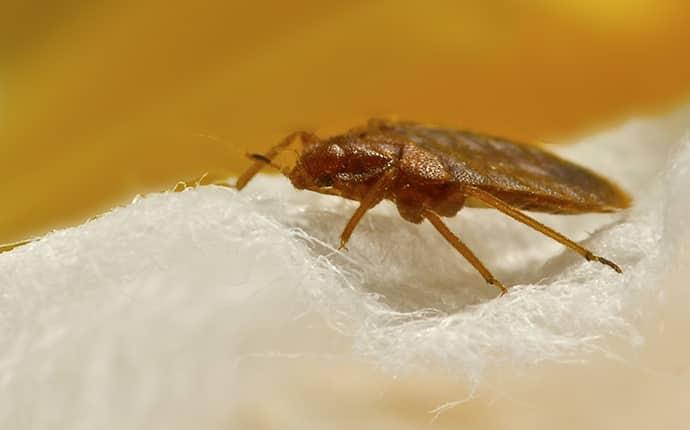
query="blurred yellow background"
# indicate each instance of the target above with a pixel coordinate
(99, 102)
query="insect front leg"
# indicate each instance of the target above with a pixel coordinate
(553, 234)
(466, 252)
(373, 196)
(261, 160)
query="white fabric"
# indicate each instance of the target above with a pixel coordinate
(187, 310)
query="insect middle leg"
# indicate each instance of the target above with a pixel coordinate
(466, 252)
(504, 207)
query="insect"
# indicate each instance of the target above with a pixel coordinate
(430, 172)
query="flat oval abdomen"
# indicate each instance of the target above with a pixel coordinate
(525, 176)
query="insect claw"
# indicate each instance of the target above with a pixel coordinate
(602, 260)
(610, 263)
(342, 246)
(498, 284)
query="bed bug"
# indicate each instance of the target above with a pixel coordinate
(432, 172)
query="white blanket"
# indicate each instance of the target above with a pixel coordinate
(216, 309)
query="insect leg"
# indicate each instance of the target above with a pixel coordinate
(466, 252)
(220, 177)
(371, 199)
(261, 160)
(519, 216)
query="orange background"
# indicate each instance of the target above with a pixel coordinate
(100, 102)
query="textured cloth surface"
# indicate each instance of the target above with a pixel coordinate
(216, 309)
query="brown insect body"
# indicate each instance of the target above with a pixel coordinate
(435, 165)
(430, 172)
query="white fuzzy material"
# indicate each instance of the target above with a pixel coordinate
(183, 310)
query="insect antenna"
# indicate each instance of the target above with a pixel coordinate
(260, 162)
(265, 160)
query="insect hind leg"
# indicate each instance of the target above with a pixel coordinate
(504, 207)
(466, 252)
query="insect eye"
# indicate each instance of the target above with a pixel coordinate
(325, 181)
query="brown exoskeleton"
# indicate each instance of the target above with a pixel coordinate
(431, 172)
